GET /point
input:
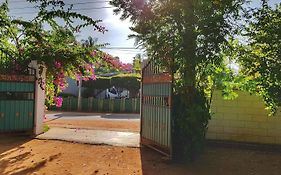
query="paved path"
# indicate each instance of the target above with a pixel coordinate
(91, 116)
(96, 137)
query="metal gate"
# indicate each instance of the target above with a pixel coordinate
(17, 102)
(156, 108)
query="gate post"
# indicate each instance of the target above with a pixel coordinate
(39, 104)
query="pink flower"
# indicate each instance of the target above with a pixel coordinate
(88, 66)
(94, 53)
(78, 75)
(56, 82)
(85, 78)
(58, 64)
(93, 77)
(127, 67)
(58, 101)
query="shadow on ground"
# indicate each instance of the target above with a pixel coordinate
(22, 156)
(70, 115)
(121, 116)
(16, 158)
(11, 142)
(95, 115)
(216, 160)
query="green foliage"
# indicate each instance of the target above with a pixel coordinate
(132, 75)
(187, 38)
(24, 41)
(137, 64)
(259, 55)
(100, 83)
(195, 41)
(46, 128)
(260, 58)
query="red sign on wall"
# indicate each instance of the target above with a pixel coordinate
(19, 78)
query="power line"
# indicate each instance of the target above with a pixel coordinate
(126, 48)
(79, 3)
(121, 49)
(17, 1)
(125, 51)
(80, 9)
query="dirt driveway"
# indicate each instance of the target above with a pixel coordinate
(20, 156)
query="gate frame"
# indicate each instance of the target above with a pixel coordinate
(31, 72)
(149, 143)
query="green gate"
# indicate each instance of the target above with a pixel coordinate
(17, 103)
(156, 108)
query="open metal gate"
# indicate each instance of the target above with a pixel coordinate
(17, 102)
(156, 108)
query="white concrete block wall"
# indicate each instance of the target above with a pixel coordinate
(244, 120)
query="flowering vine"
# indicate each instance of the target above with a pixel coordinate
(84, 70)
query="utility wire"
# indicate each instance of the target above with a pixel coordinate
(130, 51)
(79, 3)
(13, 1)
(17, 1)
(120, 47)
(79, 9)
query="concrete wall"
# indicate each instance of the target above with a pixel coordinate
(39, 100)
(72, 87)
(243, 119)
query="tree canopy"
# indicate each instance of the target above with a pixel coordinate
(53, 44)
(260, 56)
(194, 40)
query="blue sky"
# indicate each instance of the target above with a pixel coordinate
(118, 31)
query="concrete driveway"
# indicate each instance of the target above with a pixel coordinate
(91, 116)
(108, 121)
(93, 128)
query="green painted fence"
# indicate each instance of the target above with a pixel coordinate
(16, 115)
(16, 105)
(101, 105)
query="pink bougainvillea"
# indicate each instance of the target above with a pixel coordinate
(94, 53)
(78, 75)
(88, 72)
(116, 63)
(58, 101)
(85, 71)
(93, 77)
(57, 64)
(59, 79)
(128, 67)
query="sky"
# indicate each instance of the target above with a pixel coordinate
(116, 36)
(118, 31)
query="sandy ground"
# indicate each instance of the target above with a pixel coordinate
(97, 124)
(20, 156)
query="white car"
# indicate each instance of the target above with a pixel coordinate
(112, 93)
